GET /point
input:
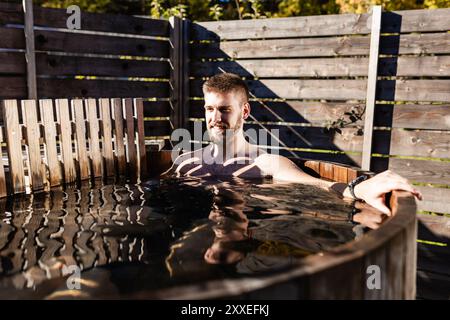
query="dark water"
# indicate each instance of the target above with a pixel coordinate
(134, 240)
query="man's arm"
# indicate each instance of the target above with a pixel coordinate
(372, 191)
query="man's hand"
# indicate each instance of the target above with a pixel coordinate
(368, 216)
(373, 191)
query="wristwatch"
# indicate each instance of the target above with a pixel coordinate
(353, 183)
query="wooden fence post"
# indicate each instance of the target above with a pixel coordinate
(179, 75)
(14, 145)
(185, 83)
(371, 87)
(30, 52)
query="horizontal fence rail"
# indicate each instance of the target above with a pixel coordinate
(110, 56)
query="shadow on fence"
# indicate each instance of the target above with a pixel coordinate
(298, 136)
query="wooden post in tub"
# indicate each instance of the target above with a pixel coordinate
(30, 119)
(3, 190)
(14, 145)
(140, 139)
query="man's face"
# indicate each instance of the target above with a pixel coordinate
(224, 114)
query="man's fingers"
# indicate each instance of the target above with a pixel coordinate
(379, 204)
(360, 205)
(367, 209)
(407, 187)
(373, 221)
(418, 194)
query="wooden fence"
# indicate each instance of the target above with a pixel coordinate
(306, 74)
(111, 56)
(58, 142)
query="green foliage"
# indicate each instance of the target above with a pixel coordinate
(347, 119)
(216, 12)
(289, 8)
(363, 6)
(179, 10)
(203, 10)
(256, 10)
(191, 9)
(434, 4)
(156, 10)
(100, 6)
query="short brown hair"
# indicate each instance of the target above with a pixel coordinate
(226, 82)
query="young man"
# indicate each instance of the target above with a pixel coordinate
(226, 107)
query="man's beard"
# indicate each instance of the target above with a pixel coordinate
(222, 137)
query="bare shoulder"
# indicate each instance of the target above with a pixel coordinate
(273, 163)
(271, 158)
(282, 168)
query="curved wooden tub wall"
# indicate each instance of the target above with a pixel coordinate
(341, 273)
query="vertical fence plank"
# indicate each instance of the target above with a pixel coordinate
(30, 52)
(3, 190)
(48, 120)
(33, 135)
(94, 143)
(131, 147)
(62, 107)
(371, 87)
(108, 155)
(179, 73)
(14, 141)
(186, 62)
(142, 159)
(175, 71)
(118, 135)
(80, 130)
(185, 102)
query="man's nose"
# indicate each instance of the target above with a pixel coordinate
(217, 115)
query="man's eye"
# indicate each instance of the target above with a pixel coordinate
(209, 108)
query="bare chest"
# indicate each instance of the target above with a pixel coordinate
(247, 170)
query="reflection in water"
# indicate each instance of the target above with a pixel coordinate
(132, 238)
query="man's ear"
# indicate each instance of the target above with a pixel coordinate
(246, 110)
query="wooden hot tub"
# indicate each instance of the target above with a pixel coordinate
(340, 273)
